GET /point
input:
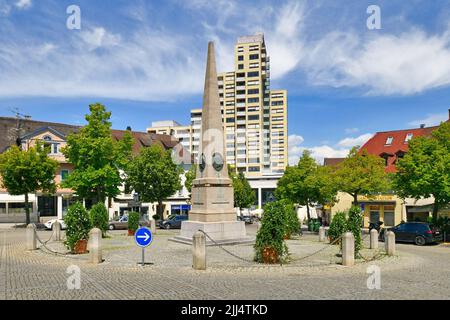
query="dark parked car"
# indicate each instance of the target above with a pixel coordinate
(173, 222)
(247, 219)
(419, 233)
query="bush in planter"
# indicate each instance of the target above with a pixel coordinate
(291, 219)
(99, 217)
(133, 222)
(78, 225)
(270, 246)
(337, 226)
(354, 224)
(156, 217)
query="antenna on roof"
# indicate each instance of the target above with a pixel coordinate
(20, 115)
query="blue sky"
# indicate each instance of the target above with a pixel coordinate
(145, 61)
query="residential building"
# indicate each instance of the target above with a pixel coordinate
(254, 119)
(26, 132)
(389, 208)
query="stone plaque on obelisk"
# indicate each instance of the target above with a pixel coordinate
(212, 190)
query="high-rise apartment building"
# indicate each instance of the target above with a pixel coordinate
(254, 116)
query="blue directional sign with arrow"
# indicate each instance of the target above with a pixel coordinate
(143, 237)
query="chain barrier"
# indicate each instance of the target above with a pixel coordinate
(44, 244)
(227, 251)
(327, 246)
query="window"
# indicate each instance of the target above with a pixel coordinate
(229, 120)
(389, 141)
(64, 174)
(253, 74)
(277, 103)
(254, 57)
(409, 136)
(2, 208)
(55, 148)
(240, 75)
(240, 66)
(240, 58)
(253, 169)
(253, 91)
(253, 100)
(255, 117)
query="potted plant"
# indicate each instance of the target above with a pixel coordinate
(133, 223)
(270, 247)
(99, 217)
(78, 226)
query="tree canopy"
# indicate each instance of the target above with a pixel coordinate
(307, 183)
(154, 175)
(97, 157)
(23, 172)
(244, 196)
(361, 174)
(425, 170)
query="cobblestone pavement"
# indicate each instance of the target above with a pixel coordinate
(414, 273)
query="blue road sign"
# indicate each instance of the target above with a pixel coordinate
(143, 237)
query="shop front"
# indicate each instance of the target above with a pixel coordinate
(384, 208)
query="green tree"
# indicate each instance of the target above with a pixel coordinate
(99, 217)
(190, 177)
(244, 196)
(154, 175)
(337, 227)
(425, 170)
(78, 225)
(354, 224)
(307, 183)
(24, 172)
(361, 174)
(97, 157)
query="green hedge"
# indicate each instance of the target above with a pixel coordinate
(133, 221)
(99, 217)
(78, 225)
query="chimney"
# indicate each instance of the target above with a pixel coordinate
(128, 128)
(422, 126)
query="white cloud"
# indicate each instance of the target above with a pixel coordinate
(23, 4)
(385, 64)
(353, 142)
(317, 152)
(99, 37)
(430, 120)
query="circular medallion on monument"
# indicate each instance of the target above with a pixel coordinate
(217, 161)
(202, 164)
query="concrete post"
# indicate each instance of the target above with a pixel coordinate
(31, 237)
(322, 234)
(348, 249)
(56, 231)
(199, 251)
(153, 226)
(373, 239)
(389, 242)
(95, 250)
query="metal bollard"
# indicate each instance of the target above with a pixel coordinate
(373, 239)
(31, 237)
(322, 234)
(348, 249)
(389, 243)
(95, 250)
(199, 251)
(57, 231)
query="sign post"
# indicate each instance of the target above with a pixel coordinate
(143, 238)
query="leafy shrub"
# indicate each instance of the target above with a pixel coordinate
(156, 217)
(337, 226)
(292, 223)
(272, 232)
(354, 224)
(99, 217)
(133, 221)
(78, 225)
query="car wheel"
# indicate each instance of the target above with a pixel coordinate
(167, 226)
(420, 241)
(111, 227)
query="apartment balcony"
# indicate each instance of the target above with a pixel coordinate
(240, 79)
(240, 88)
(240, 96)
(240, 104)
(240, 114)
(240, 122)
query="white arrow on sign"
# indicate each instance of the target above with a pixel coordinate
(146, 236)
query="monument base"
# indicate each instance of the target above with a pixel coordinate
(223, 233)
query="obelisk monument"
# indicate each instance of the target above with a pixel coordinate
(212, 191)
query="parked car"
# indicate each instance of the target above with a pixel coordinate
(247, 219)
(420, 233)
(173, 222)
(122, 223)
(49, 224)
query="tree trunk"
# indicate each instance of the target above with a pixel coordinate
(435, 211)
(27, 210)
(160, 210)
(355, 199)
(307, 211)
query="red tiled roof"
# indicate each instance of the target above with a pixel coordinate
(377, 144)
(332, 161)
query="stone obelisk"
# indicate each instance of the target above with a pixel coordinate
(212, 190)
